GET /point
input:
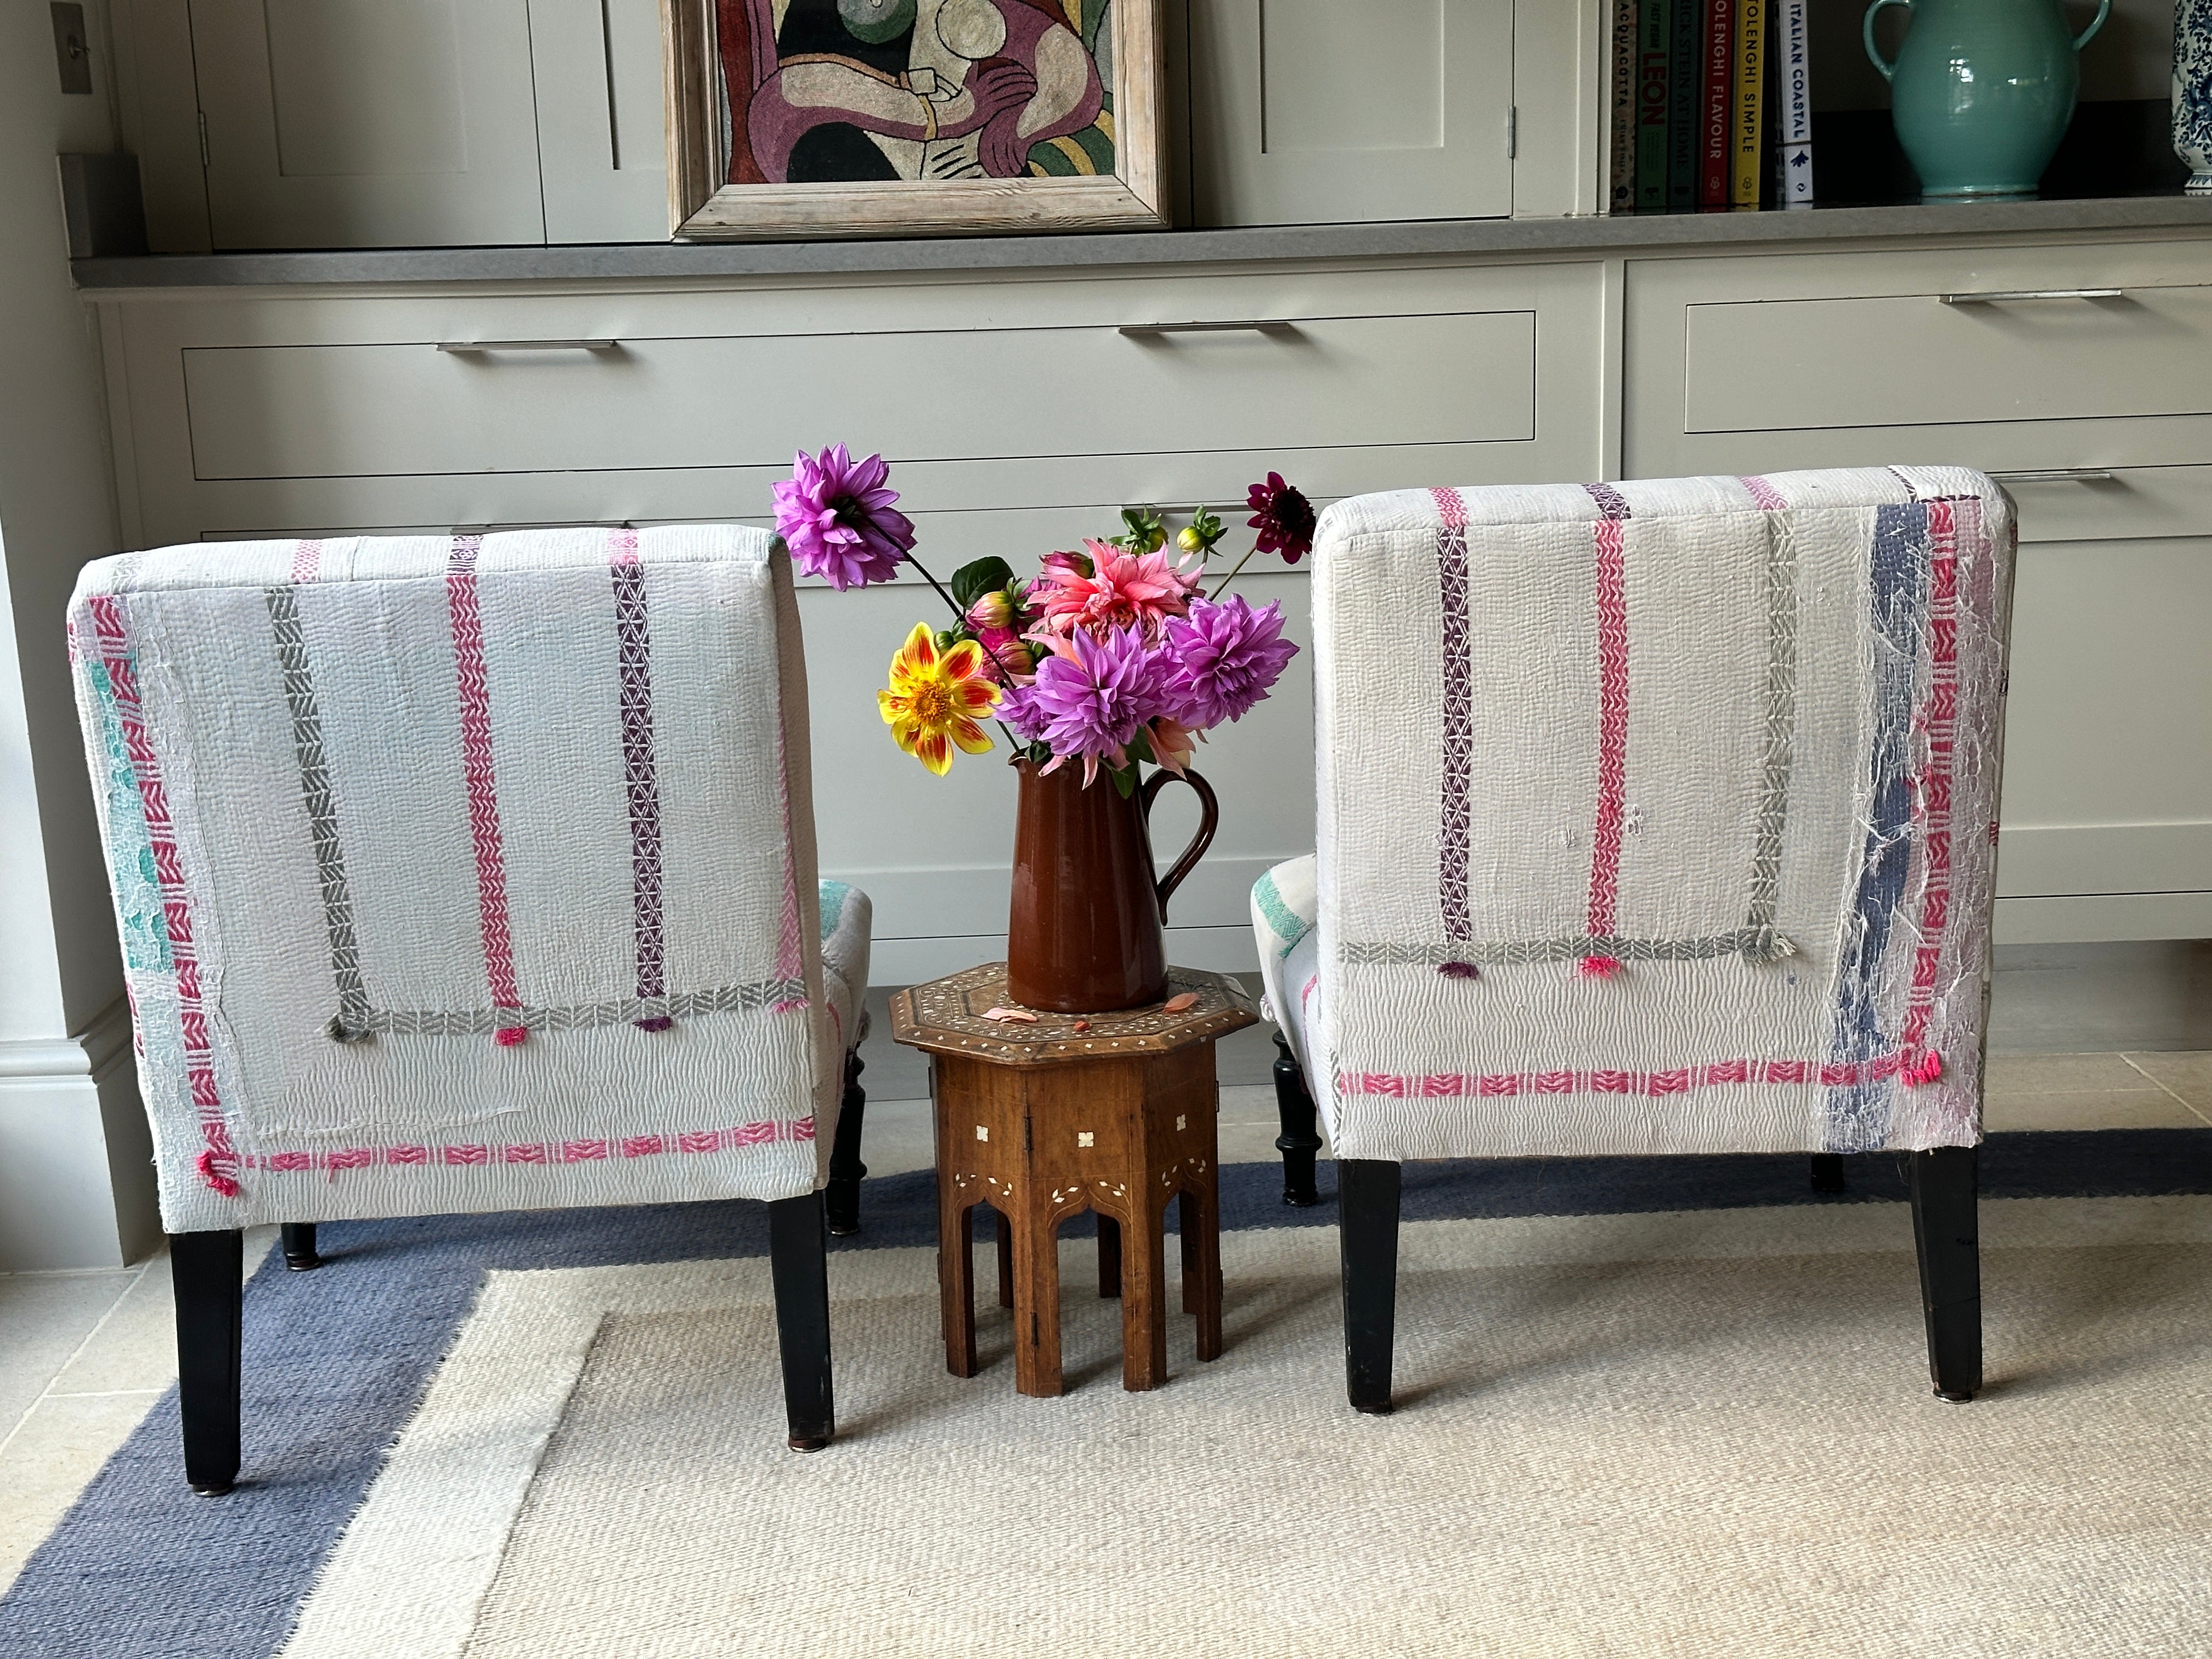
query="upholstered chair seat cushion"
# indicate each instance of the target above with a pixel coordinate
(468, 873)
(1653, 817)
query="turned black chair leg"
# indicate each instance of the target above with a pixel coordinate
(208, 1270)
(841, 1197)
(1827, 1172)
(1301, 1137)
(298, 1242)
(1367, 1211)
(799, 1257)
(1946, 1236)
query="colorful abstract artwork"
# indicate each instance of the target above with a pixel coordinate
(826, 116)
(819, 91)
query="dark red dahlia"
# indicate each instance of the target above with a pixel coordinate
(1283, 517)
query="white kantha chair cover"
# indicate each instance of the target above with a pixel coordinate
(1654, 817)
(467, 873)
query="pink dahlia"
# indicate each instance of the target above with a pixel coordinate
(1283, 517)
(1221, 659)
(835, 515)
(1090, 698)
(1119, 590)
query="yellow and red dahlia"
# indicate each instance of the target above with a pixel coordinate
(935, 697)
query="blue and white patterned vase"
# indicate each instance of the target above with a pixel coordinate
(2192, 91)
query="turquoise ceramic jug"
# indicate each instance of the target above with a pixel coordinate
(1982, 90)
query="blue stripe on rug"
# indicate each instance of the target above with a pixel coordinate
(337, 1362)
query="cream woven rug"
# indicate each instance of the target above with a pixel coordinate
(1688, 1434)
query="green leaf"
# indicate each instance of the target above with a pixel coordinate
(1139, 748)
(1125, 780)
(972, 581)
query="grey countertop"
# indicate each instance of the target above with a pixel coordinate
(1596, 236)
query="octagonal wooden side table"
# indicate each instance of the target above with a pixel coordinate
(1111, 1113)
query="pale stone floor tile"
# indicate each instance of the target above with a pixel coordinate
(2138, 1109)
(2188, 1074)
(2061, 1074)
(44, 1319)
(58, 1448)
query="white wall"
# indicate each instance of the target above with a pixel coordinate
(75, 1181)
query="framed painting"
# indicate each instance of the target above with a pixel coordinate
(912, 118)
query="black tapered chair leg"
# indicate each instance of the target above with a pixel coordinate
(1301, 1137)
(1946, 1237)
(1367, 1208)
(799, 1257)
(841, 1199)
(207, 1273)
(1827, 1172)
(298, 1242)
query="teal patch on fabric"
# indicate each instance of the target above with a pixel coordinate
(143, 924)
(833, 895)
(1287, 924)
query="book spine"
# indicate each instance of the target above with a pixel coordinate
(1685, 90)
(1750, 101)
(1620, 187)
(1654, 57)
(1797, 97)
(1713, 122)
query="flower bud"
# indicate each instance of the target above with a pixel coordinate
(1190, 541)
(992, 610)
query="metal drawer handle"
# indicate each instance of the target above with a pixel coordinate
(2006, 296)
(2060, 475)
(469, 347)
(1141, 330)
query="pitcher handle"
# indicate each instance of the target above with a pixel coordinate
(2104, 10)
(1209, 820)
(1886, 65)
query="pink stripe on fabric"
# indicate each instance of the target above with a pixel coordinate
(306, 561)
(477, 766)
(218, 1161)
(1613, 727)
(1936, 724)
(584, 1151)
(1654, 1084)
(1764, 494)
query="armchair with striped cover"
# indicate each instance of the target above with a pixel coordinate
(1654, 817)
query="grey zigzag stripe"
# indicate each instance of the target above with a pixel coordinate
(586, 1015)
(1755, 943)
(1781, 722)
(352, 1017)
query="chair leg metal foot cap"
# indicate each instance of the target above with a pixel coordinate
(843, 1231)
(210, 1490)
(1954, 1396)
(808, 1443)
(1382, 1410)
(1302, 1200)
(302, 1264)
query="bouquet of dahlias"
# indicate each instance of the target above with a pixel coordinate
(1114, 656)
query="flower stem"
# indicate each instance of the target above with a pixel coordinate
(960, 617)
(1231, 576)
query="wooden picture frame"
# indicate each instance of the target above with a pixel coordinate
(999, 115)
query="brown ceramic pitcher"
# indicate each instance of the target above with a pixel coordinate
(1085, 935)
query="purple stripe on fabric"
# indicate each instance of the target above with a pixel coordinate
(634, 661)
(1610, 501)
(1452, 829)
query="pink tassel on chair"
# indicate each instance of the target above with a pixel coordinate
(1926, 1069)
(1459, 970)
(211, 1172)
(1599, 967)
(656, 1022)
(507, 1036)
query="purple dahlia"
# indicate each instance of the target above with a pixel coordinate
(1089, 700)
(835, 513)
(1283, 517)
(1221, 659)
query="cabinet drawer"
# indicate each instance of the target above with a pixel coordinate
(344, 410)
(1938, 359)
